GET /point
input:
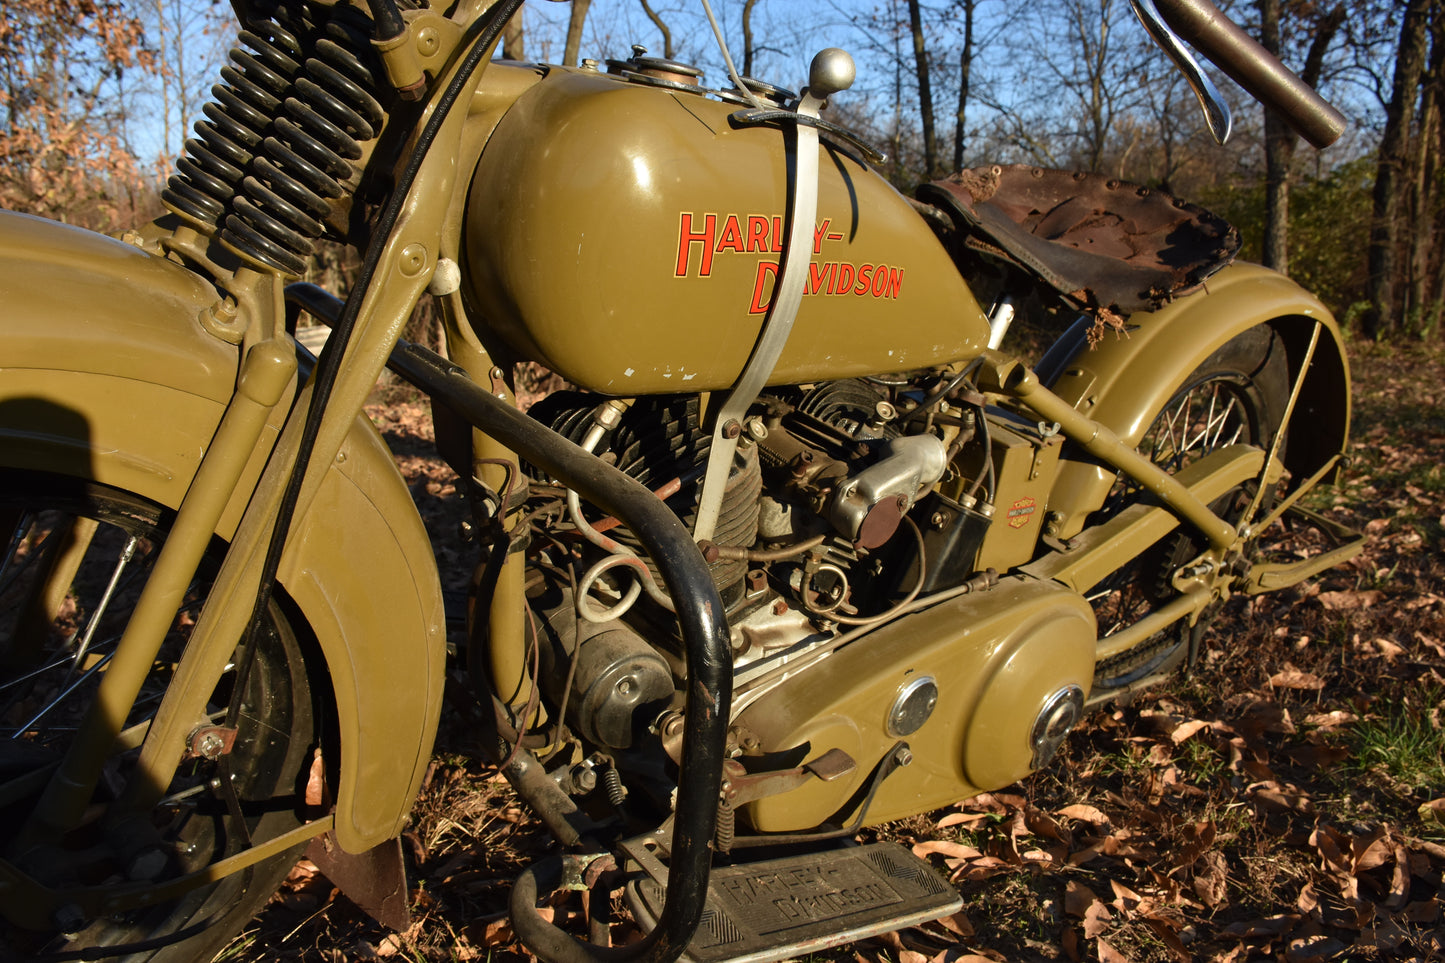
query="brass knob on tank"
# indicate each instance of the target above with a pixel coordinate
(832, 70)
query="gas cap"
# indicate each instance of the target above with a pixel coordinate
(656, 71)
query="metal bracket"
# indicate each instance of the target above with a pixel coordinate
(1216, 111)
(211, 742)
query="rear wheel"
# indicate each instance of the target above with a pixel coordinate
(76, 556)
(1237, 396)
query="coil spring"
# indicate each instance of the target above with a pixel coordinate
(280, 140)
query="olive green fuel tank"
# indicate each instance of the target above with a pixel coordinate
(628, 237)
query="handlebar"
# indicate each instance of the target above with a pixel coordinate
(1201, 24)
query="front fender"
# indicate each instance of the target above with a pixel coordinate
(1125, 380)
(107, 374)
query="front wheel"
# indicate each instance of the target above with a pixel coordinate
(1236, 396)
(76, 556)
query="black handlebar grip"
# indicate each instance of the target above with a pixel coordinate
(1200, 24)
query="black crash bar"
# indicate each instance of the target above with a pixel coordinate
(704, 631)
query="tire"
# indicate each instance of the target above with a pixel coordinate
(46, 646)
(1235, 396)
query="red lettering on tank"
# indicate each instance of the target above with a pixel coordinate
(895, 282)
(818, 233)
(818, 275)
(762, 289)
(687, 237)
(757, 233)
(864, 274)
(732, 235)
(880, 282)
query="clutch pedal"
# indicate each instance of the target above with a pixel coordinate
(781, 908)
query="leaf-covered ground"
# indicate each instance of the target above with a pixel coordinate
(1285, 801)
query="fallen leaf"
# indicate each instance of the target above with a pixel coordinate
(1096, 919)
(958, 924)
(1343, 601)
(946, 848)
(1183, 732)
(1124, 897)
(960, 819)
(1107, 954)
(1390, 650)
(1078, 898)
(1085, 814)
(1400, 879)
(1211, 878)
(1292, 678)
(1316, 757)
(1166, 933)
(1285, 801)
(1070, 942)
(1422, 911)
(974, 870)
(1313, 949)
(1330, 720)
(1370, 850)
(1308, 901)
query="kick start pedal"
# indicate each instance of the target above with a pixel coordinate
(787, 907)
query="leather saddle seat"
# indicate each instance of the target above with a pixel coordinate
(1104, 245)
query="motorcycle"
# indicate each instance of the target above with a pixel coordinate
(800, 551)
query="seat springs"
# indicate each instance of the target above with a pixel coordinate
(281, 139)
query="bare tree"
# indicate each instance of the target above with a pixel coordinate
(749, 47)
(925, 88)
(1075, 77)
(1279, 140)
(1423, 290)
(667, 48)
(514, 38)
(575, 23)
(1383, 314)
(965, 75)
(62, 151)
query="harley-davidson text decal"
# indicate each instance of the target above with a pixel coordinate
(1020, 512)
(701, 238)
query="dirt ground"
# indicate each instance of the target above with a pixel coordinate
(1285, 801)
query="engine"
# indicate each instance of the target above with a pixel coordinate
(846, 502)
(815, 532)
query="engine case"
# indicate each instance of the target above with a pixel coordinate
(669, 223)
(997, 659)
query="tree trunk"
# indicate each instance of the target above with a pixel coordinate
(1279, 140)
(1424, 191)
(748, 45)
(1279, 143)
(925, 90)
(514, 38)
(965, 67)
(667, 48)
(1382, 316)
(574, 32)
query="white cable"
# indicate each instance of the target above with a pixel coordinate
(722, 45)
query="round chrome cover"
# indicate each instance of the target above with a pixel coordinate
(912, 706)
(1060, 714)
(657, 71)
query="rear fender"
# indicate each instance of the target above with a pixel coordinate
(1126, 379)
(108, 375)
